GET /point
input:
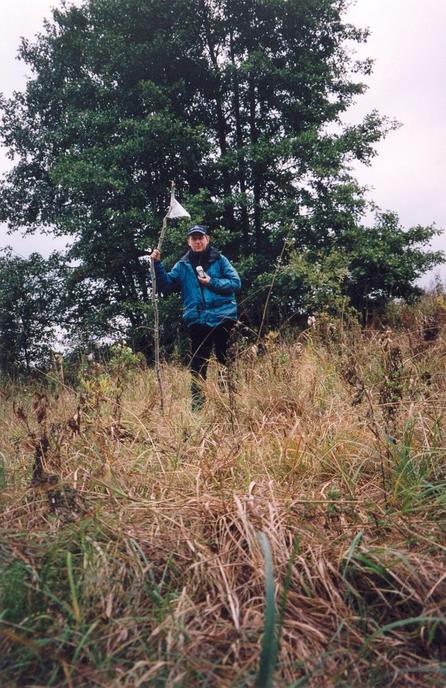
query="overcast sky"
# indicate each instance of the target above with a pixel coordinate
(408, 45)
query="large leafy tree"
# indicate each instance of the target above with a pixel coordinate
(239, 101)
(30, 292)
(385, 262)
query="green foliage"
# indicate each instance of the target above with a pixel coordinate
(47, 610)
(101, 382)
(15, 598)
(235, 102)
(29, 306)
(123, 361)
(2, 473)
(385, 261)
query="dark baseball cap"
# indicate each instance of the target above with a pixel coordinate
(198, 229)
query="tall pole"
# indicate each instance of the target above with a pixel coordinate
(156, 318)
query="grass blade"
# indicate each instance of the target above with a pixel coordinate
(74, 601)
(268, 656)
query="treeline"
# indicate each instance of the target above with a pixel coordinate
(241, 103)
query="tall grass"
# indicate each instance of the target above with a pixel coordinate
(132, 558)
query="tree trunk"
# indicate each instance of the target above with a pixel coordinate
(240, 152)
(256, 171)
(229, 219)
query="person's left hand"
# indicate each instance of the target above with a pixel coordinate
(204, 280)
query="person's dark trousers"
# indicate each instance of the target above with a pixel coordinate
(203, 340)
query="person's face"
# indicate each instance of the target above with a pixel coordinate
(197, 241)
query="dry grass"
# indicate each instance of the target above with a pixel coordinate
(132, 558)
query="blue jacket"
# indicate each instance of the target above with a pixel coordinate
(207, 304)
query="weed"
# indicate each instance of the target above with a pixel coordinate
(128, 549)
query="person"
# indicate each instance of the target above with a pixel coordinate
(208, 284)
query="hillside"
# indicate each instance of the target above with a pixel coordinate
(129, 540)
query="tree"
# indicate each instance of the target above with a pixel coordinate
(29, 296)
(239, 101)
(385, 262)
(97, 142)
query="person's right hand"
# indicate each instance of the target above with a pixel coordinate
(155, 255)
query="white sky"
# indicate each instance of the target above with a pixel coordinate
(407, 42)
(408, 46)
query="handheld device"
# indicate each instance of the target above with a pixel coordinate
(200, 271)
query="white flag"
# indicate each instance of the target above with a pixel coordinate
(176, 210)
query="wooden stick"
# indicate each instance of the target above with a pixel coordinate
(156, 318)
